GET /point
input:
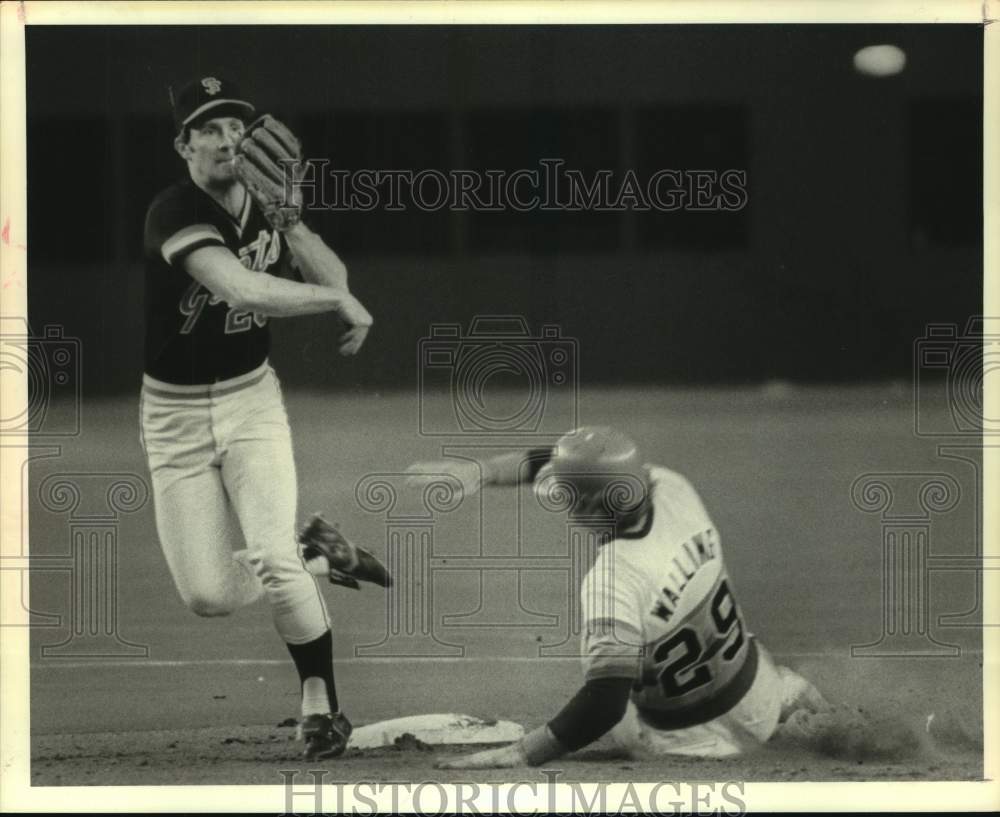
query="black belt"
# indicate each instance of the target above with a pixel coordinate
(708, 710)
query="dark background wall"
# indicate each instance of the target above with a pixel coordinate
(863, 221)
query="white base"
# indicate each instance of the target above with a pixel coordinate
(436, 730)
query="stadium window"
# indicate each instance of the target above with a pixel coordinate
(89, 167)
(698, 206)
(548, 144)
(946, 171)
(379, 142)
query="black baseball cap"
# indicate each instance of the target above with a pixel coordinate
(208, 94)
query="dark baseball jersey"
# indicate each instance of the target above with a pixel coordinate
(193, 336)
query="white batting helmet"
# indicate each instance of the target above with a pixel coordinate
(594, 470)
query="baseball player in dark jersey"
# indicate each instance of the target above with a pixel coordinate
(226, 251)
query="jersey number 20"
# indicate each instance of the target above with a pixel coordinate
(687, 660)
(194, 302)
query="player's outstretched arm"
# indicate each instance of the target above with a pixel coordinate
(613, 650)
(219, 271)
(421, 474)
(317, 262)
(597, 707)
(515, 468)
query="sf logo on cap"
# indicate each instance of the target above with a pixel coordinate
(211, 85)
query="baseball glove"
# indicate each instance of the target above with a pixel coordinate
(269, 164)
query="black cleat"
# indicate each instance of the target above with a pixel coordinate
(325, 735)
(348, 563)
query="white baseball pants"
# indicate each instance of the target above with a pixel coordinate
(223, 475)
(776, 692)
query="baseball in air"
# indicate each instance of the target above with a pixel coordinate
(880, 60)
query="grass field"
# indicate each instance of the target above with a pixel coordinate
(775, 468)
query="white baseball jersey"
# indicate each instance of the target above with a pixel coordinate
(659, 607)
